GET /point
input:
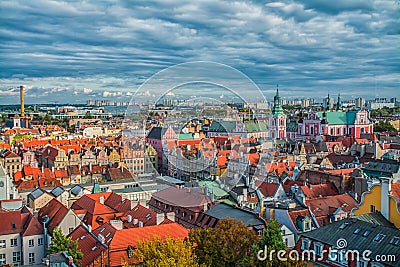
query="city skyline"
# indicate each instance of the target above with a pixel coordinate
(70, 52)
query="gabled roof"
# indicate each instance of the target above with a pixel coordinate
(57, 191)
(156, 133)
(19, 221)
(267, 189)
(11, 154)
(36, 193)
(55, 211)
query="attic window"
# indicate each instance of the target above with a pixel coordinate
(343, 225)
(94, 248)
(395, 241)
(379, 237)
(14, 226)
(357, 231)
(82, 237)
(366, 233)
(102, 229)
(108, 234)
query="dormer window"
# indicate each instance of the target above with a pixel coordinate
(379, 237)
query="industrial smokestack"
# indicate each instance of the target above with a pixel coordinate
(21, 92)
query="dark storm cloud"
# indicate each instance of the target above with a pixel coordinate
(309, 47)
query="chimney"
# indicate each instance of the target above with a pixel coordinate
(160, 218)
(386, 188)
(52, 169)
(89, 228)
(129, 218)
(101, 238)
(21, 93)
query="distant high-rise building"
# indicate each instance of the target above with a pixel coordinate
(393, 100)
(305, 103)
(360, 102)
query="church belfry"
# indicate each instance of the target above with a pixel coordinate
(277, 125)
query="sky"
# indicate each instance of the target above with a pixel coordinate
(71, 51)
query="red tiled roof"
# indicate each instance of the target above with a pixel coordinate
(322, 206)
(287, 185)
(55, 211)
(294, 214)
(130, 237)
(346, 171)
(11, 154)
(396, 190)
(314, 191)
(88, 244)
(267, 189)
(119, 173)
(147, 216)
(20, 221)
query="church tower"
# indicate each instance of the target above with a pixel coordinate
(278, 121)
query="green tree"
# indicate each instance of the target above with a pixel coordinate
(60, 243)
(272, 240)
(164, 253)
(229, 244)
(384, 126)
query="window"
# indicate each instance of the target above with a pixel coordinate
(357, 231)
(366, 233)
(14, 226)
(332, 131)
(307, 226)
(31, 258)
(379, 237)
(338, 130)
(14, 242)
(318, 249)
(31, 242)
(2, 259)
(2, 244)
(40, 241)
(190, 217)
(259, 232)
(70, 229)
(16, 256)
(350, 131)
(395, 241)
(372, 208)
(305, 244)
